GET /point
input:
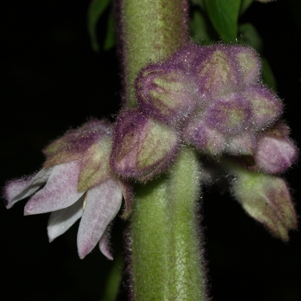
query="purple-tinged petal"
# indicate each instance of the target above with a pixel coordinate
(60, 221)
(17, 190)
(59, 192)
(275, 155)
(266, 106)
(102, 205)
(104, 244)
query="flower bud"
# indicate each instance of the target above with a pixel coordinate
(229, 114)
(266, 198)
(266, 106)
(275, 151)
(241, 145)
(203, 137)
(142, 146)
(248, 63)
(75, 142)
(165, 92)
(216, 75)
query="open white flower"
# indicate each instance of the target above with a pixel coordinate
(78, 184)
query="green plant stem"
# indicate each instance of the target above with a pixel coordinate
(151, 31)
(164, 238)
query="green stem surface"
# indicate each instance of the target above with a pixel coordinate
(165, 232)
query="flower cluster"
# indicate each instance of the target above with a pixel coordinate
(210, 98)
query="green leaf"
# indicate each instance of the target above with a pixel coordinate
(199, 29)
(267, 75)
(244, 5)
(200, 3)
(110, 41)
(223, 15)
(250, 36)
(96, 8)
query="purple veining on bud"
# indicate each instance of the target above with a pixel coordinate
(165, 92)
(215, 72)
(275, 151)
(75, 142)
(266, 198)
(142, 146)
(248, 63)
(229, 114)
(206, 139)
(186, 56)
(266, 106)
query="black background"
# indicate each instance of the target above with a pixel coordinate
(52, 81)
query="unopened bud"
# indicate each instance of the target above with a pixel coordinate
(216, 75)
(165, 92)
(229, 114)
(142, 146)
(248, 63)
(275, 152)
(266, 198)
(266, 106)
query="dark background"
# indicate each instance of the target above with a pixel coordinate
(52, 81)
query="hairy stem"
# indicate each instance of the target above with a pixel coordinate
(164, 238)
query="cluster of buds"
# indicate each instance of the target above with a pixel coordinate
(210, 98)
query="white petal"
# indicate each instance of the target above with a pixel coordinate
(17, 190)
(103, 203)
(60, 221)
(59, 192)
(104, 244)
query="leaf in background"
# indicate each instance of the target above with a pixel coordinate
(244, 6)
(110, 41)
(96, 8)
(114, 280)
(199, 29)
(267, 75)
(249, 35)
(200, 3)
(223, 15)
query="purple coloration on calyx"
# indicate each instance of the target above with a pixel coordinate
(142, 146)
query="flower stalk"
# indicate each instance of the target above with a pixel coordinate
(164, 239)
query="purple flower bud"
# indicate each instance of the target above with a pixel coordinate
(275, 152)
(75, 142)
(206, 139)
(165, 92)
(186, 56)
(266, 198)
(266, 106)
(248, 63)
(241, 145)
(142, 146)
(215, 72)
(229, 114)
